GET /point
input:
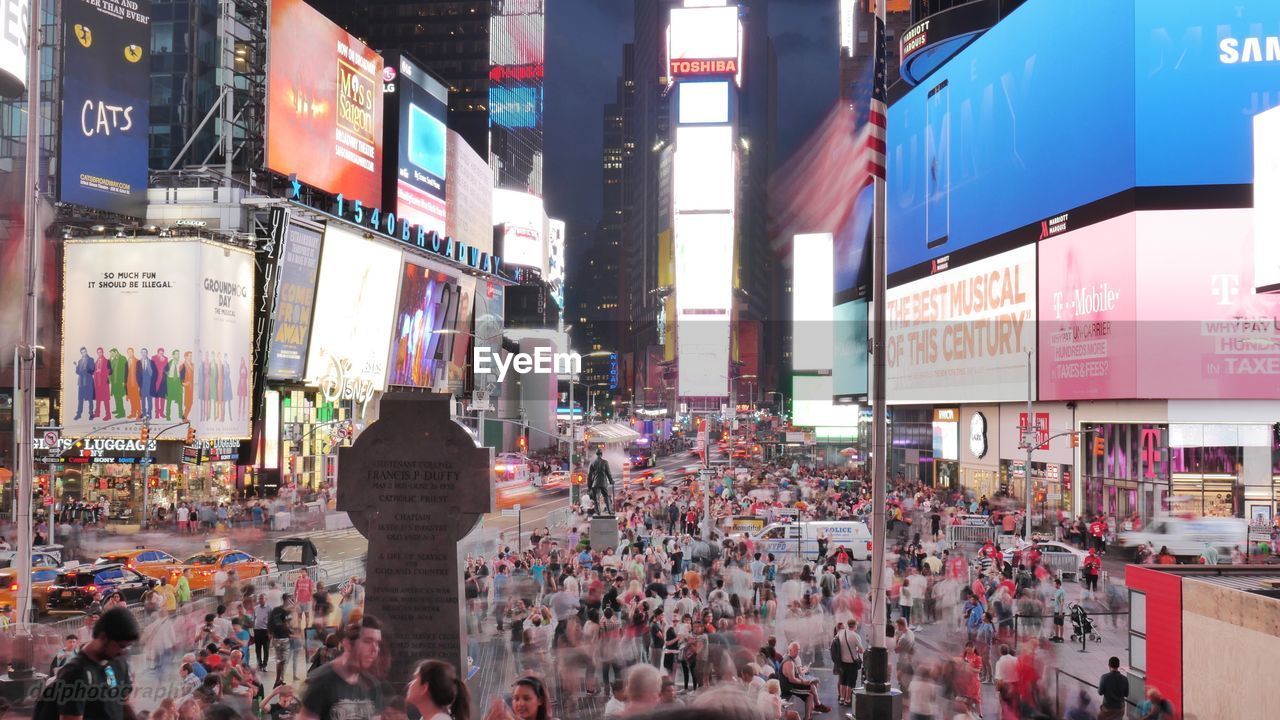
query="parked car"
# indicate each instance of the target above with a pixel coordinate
(148, 561)
(41, 579)
(80, 588)
(1058, 557)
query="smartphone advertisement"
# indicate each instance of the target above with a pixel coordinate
(417, 106)
(937, 170)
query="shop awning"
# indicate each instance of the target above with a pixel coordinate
(611, 433)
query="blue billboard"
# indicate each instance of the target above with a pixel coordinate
(1033, 117)
(515, 107)
(106, 88)
(1062, 104)
(1204, 69)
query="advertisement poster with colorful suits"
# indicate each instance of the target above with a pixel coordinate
(157, 331)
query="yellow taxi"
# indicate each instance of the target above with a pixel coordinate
(147, 561)
(41, 578)
(217, 555)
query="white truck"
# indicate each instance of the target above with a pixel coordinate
(1188, 537)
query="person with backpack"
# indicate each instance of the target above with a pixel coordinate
(96, 683)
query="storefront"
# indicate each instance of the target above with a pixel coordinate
(1052, 457)
(980, 450)
(946, 448)
(1125, 469)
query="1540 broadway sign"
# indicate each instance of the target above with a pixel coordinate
(401, 230)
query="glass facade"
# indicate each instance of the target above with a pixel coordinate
(311, 436)
(1201, 469)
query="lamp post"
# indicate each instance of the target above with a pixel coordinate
(479, 413)
(782, 407)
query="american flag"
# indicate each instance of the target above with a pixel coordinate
(879, 100)
(815, 189)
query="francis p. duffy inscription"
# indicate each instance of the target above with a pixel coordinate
(414, 484)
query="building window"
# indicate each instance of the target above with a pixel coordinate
(1138, 631)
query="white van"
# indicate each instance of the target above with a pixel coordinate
(801, 539)
(1188, 537)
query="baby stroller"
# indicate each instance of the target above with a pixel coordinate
(1082, 627)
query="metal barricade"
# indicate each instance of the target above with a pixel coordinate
(971, 536)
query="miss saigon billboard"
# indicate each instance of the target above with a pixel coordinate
(324, 104)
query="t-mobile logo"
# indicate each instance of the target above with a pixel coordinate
(1226, 288)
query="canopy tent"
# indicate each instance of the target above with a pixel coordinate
(610, 434)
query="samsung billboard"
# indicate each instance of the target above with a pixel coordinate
(1015, 130)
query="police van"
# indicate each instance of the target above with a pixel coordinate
(800, 540)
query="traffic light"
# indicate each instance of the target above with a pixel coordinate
(144, 434)
(1075, 440)
(1099, 446)
(191, 435)
(524, 444)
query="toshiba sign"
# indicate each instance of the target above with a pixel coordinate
(685, 68)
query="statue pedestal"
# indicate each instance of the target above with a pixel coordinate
(604, 532)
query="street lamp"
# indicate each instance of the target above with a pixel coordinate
(488, 387)
(573, 429)
(782, 408)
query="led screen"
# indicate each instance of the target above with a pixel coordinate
(106, 87)
(1225, 54)
(523, 217)
(946, 440)
(704, 253)
(1266, 200)
(849, 371)
(704, 33)
(555, 260)
(430, 301)
(324, 104)
(14, 14)
(811, 303)
(704, 102)
(704, 169)
(966, 153)
(515, 107)
(416, 108)
(704, 288)
(974, 322)
(812, 406)
(356, 296)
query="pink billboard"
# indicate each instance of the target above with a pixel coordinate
(1204, 332)
(1157, 304)
(1088, 345)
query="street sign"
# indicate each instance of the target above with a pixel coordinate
(480, 401)
(52, 438)
(48, 500)
(511, 512)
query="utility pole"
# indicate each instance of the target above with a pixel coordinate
(29, 342)
(1029, 436)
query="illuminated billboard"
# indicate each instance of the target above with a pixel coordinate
(811, 302)
(518, 107)
(555, 260)
(704, 296)
(356, 296)
(965, 163)
(295, 300)
(705, 169)
(15, 15)
(106, 100)
(416, 107)
(974, 321)
(522, 217)
(470, 201)
(812, 406)
(430, 301)
(157, 330)
(704, 33)
(1266, 200)
(324, 104)
(704, 102)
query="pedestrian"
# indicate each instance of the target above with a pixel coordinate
(345, 689)
(95, 684)
(437, 693)
(530, 700)
(1155, 707)
(262, 632)
(850, 648)
(1114, 689)
(1059, 610)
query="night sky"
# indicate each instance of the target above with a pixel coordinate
(584, 58)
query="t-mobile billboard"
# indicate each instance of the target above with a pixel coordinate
(1135, 308)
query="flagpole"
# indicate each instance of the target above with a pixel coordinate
(875, 700)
